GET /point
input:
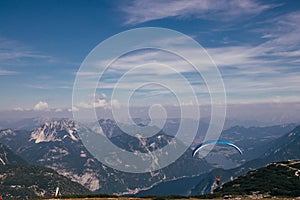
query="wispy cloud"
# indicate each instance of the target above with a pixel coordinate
(49, 86)
(15, 53)
(259, 71)
(251, 72)
(7, 72)
(283, 35)
(140, 11)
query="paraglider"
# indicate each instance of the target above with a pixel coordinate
(214, 142)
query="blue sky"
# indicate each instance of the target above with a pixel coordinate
(255, 45)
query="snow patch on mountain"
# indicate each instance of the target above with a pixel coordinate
(4, 159)
(3, 163)
(291, 134)
(83, 154)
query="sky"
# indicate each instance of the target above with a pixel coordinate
(254, 44)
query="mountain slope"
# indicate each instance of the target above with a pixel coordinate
(276, 179)
(7, 157)
(28, 182)
(19, 180)
(56, 145)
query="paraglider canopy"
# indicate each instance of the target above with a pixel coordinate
(214, 142)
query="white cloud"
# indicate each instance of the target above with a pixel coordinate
(101, 102)
(18, 109)
(98, 96)
(140, 11)
(41, 106)
(58, 110)
(73, 109)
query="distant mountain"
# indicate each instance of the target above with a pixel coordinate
(281, 149)
(255, 140)
(276, 179)
(252, 140)
(57, 145)
(230, 122)
(29, 182)
(286, 147)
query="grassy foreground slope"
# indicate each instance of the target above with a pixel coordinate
(276, 179)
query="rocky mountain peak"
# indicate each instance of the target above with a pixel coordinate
(7, 132)
(57, 130)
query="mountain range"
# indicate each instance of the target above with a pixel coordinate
(56, 144)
